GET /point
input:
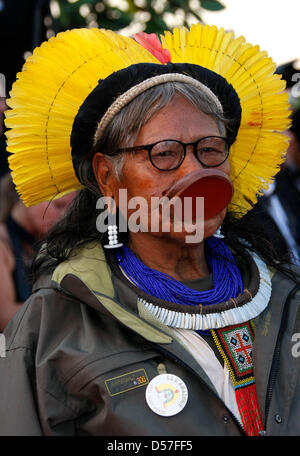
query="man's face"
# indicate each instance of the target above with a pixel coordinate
(179, 120)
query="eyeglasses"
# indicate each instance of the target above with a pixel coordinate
(169, 154)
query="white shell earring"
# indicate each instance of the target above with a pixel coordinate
(112, 229)
(218, 234)
(113, 242)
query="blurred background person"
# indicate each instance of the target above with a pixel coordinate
(284, 196)
(22, 229)
(278, 210)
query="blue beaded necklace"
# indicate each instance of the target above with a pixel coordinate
(226, 277)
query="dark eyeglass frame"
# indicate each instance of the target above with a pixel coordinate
(149, 148)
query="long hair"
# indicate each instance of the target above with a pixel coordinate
(78, 226)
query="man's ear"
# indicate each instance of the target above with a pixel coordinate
(104, 174)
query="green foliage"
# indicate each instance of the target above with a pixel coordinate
(212, 5)
(148, 15)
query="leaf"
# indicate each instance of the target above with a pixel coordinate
(212, 5)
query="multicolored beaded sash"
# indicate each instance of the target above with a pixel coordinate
(235, 344)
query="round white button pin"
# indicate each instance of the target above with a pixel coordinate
(166, 394)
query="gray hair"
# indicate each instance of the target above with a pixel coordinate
(125, 126)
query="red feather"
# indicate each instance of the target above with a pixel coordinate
(151, 42)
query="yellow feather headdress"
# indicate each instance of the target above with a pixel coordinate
(62, 72)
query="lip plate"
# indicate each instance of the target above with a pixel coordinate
(214, 185)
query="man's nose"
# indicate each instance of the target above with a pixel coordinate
(191, 162)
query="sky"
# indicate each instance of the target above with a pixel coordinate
(272, 24)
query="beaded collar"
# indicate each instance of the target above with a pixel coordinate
(234, 311)
(245, 307)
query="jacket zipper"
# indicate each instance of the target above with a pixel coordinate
(276, 355)
(182, 364)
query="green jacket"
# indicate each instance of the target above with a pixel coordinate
(79, 358)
